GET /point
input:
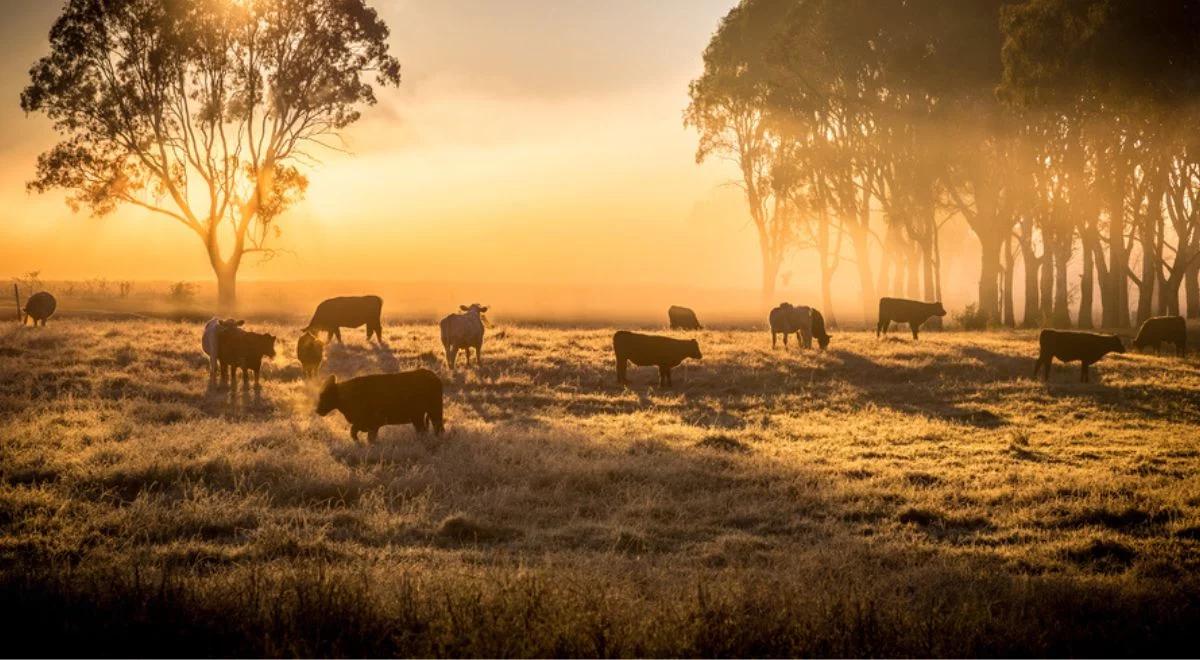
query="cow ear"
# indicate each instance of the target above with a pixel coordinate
(483, 309)
(463, 307)
(240, 322)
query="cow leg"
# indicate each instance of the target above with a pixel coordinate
(256, 385)
(772, 340)
(914, 327)
(245, 378)
(479, 354)
(664, 375)
(1083, 378)
(785, 339)
(1037, 366)
(337, 332)
(622, 365)
(467, 352)
(372, 434)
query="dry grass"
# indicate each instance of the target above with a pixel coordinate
(882, 498)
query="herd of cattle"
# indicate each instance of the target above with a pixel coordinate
(415, 397)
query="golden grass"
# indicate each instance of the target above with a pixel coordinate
(881, 498)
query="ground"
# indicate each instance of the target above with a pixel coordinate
(884, 497)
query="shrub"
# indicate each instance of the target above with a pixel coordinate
(182, 292)
(972, 318)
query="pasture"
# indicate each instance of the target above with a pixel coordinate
(884, 497)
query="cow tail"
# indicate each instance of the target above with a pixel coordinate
(434, 416)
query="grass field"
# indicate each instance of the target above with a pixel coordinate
(881, 498)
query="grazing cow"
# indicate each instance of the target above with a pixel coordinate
(39, 307)
(239, 349)
(804, 322)
(348, 312)
(464, 331)
(683, 318)
(647, 350)
(1171, 329)
(311, 352)
(208, 341)
(369, 402)
(1070, 345)
(912, 312)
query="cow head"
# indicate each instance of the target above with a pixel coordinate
(694, 349)
(823, 341)
(938, 310)
(268, 345)
(1115, 345)
(478, 309)
(232, 323)
(785, 305)
(327, 401)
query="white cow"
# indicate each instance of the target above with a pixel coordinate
(464, 331)
(209, 342)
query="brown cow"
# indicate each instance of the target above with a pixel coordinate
(1071, 345)
(370, 402)
(645, 350)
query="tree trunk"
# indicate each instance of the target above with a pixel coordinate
(1191, 285)
(226, 290)
(1118, 268)
(866, 283)
(1145, 308)
(1010, 314)
(989, 278)
(770, 275)
(1086, 291)
(1046, 309)
(1062, 308)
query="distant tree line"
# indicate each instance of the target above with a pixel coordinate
(1062, 132)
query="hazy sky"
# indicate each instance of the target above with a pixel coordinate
(530, 140)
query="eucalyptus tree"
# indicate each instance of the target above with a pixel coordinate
(205, 114)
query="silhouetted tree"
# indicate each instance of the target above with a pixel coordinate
(203, 111)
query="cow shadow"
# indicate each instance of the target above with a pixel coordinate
(910, 391)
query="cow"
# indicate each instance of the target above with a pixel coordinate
(804, 322)
(912, 312)
(682, 318)
(310, 350)
(369, 402)
(647, 350)
(240, 349)
(1070, 345)
(38, 308)
(208, 341)
(464, 331)
(1171, 329)
(348, 312)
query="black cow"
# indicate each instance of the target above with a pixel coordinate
(912, 312)
(348, 312)
(369, 402)
(38, 308)
(647, 350)
(240, 349)
(1171, 329)
(1070, 345)
(683, 318)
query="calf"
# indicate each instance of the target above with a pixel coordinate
(464, 331)
(239, 349)
(805, 322)
(369, 402)
(1171, 329)
(1069, 346)
(208, 341)
(912, 312)
(646, 350)
(38, 308)
(311, 352)
(682, 318)
(348, 312)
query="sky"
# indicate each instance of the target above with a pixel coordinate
(530, 141)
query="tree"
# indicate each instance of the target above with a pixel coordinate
(729, 109)
(203, 112)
